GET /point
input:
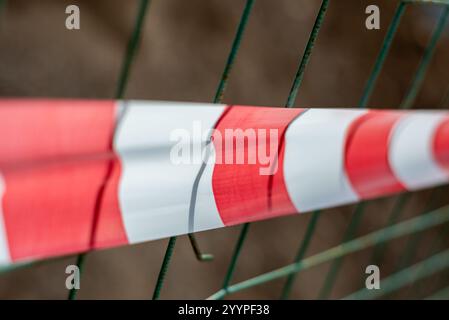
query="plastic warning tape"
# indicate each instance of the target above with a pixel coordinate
(77, 175)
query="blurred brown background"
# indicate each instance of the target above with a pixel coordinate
(183, 51)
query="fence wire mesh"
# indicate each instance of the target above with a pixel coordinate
(406, 274)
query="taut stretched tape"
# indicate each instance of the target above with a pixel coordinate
(77, 175)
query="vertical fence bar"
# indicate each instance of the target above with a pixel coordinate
(407, 103)
(425, 61)
(218, 98)
(289, 104)
(164, 268)
(395, 281)
(438, 241)
(234, 50)
(416, 84)
(306, 55)
(366, 95)
(131, 50)
(417, 224)
(331, 276)
(383, 53)
(398, 208)
(235, 256)
(432, 265)
(301, 253)
(80, 263)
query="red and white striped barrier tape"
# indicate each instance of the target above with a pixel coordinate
(78, 175)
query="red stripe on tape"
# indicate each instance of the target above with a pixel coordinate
(241, 190)
(441, 144)
(54, 157)
(366, 161)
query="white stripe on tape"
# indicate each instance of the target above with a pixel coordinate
(155, 190)
(411, 153)
(314, 159)
(4, 249)
(206, 211)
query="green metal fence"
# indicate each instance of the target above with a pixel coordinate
(405, 275)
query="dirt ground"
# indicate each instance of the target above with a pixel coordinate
(181, 57)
